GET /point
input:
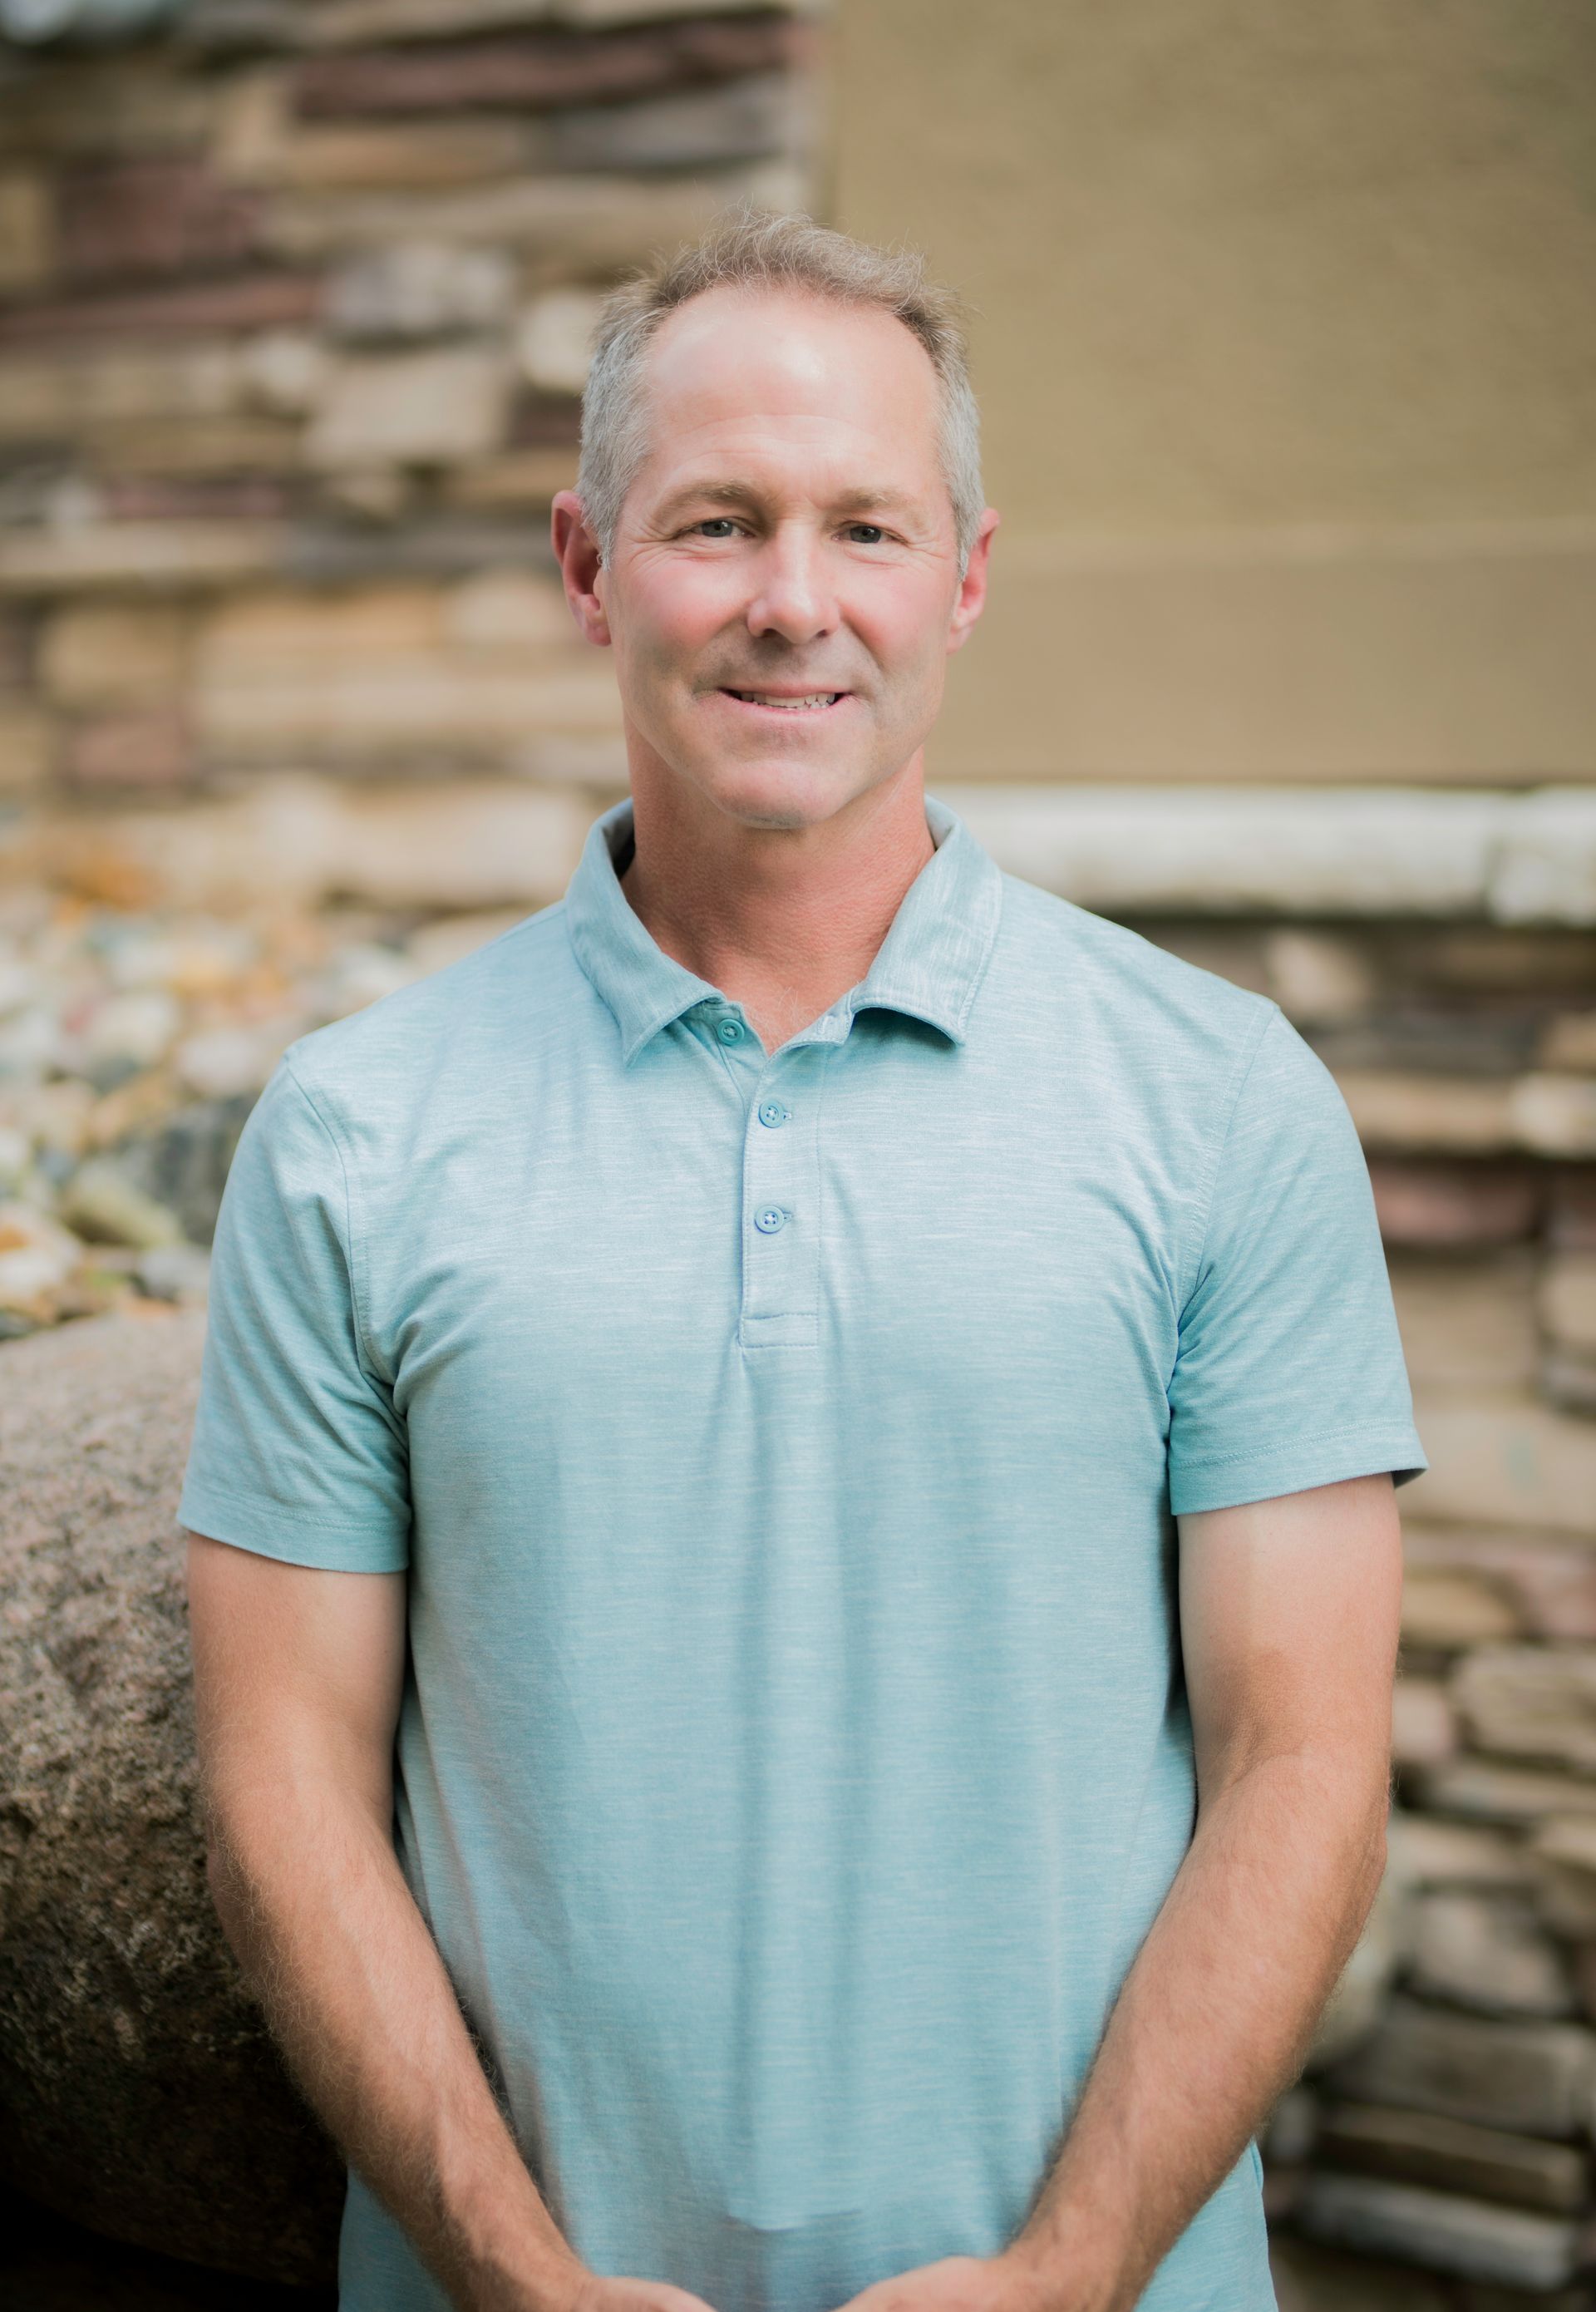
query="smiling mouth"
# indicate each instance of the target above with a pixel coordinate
(809, 702)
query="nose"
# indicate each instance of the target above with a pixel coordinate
(792, 595)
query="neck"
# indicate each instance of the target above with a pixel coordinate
(783, 920)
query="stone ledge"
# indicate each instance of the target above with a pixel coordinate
(1354, 851)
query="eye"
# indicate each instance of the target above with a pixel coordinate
(876, 533)
(719, 525)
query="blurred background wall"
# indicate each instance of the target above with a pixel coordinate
(1285, 337)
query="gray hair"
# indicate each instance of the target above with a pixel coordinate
(758, 248)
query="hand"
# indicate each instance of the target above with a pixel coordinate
(962, 2284)
(596, 2292)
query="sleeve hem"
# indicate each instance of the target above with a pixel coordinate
(269, 1529)
(1228, 1481)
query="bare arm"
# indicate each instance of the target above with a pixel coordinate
(1289, 1613)
(298, 1677)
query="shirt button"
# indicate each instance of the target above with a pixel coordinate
(771, 1219)
(773, 1113)
(730, 1031)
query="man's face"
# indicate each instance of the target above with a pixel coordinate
(785, 590)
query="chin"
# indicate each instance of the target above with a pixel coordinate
(780, 794)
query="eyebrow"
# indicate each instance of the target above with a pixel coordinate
(741, 493)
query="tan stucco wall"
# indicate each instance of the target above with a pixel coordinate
(1284, 325)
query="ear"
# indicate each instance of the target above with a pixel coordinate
(972, 592)
(576, 550)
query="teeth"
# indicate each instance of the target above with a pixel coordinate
(789, 705)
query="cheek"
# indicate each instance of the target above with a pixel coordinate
(673, 621)
(903, 628)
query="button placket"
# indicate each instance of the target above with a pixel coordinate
(781, 1203)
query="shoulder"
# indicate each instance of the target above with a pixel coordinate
(374, 1063)
(1107, 981)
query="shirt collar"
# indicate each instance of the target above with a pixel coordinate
(929, 965)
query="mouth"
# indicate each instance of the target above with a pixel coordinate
(787, 702)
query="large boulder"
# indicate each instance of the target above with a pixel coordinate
(139, 2092)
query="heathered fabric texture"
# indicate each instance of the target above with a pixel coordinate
(783, 1450)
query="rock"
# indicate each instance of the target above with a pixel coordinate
(152, 750)
(1483, 1789)
(1569, 1383)
(519, 479)
(1416, 2147)
(181, 1163)
(435, 407)
(1543, 1586)
(384, 712)
(452, 937)
(751, 118)
(1440, 1204)
(1467, 1323)
(1568, 1301)
(44, 396)
(1569, 1041)
(1563, 1850)
(1424, 1724)
(165, 215)
(14, 1152)
(565, 224)
(175, 1272)
(1292, 2129)
(1454, 1115)
(352, 23)
(144, 555)
(1310, 2276)
(273, 635)
(223, 1063)
(282, 370)
(1424, 1852)
(1440, 2229)
(411, 155)
(1573, 1219)
(1355, 2002)
(554, 343)
(1489, 1953)
(418, 289)
(1530, 2078)
(1318, 979)
(1228, 850)
(99, 1202)
(1530, 1701)
(138, 2089)
(505, 611)
(27, 233)
(1447, 1608)
(1554, 1115)
(1544, 871)
(252, 299)
(27, 750)
(114, 654)
(1503, 1464)
(462, 845)
(37, 1257)
(539, 70)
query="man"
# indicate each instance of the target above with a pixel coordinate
(843, 1411)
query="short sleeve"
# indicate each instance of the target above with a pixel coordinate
(297, 1451)
(1289, 1370)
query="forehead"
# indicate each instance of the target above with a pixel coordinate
(735, 372)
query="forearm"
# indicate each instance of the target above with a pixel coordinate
(309, 1889)
(1216, 2016)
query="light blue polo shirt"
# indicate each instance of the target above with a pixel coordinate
(783, 1450)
